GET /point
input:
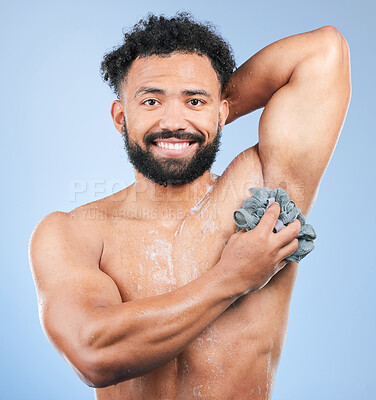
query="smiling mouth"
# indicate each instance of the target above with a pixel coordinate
(174, 147)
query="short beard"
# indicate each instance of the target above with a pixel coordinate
(172, 171)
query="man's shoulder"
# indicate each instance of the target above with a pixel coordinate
(99, 211)
(79, 217)
(61, 239)
(83, 226)
(87, 221)
(60, 228)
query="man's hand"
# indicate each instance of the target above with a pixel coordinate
(254, 257)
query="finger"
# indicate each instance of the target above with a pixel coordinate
(268, 220)
(287, 234)
(240, 232)
(288, 249)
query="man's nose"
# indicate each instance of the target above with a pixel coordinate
(173, 117)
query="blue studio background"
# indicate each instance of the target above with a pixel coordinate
(60, 150)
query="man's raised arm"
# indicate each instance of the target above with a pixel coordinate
(304, 83)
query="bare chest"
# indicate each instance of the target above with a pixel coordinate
(145, 259)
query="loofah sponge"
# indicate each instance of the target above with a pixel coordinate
(254, 208)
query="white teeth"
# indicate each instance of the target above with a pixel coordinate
(171, 146)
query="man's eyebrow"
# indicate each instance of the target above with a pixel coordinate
(146, 89)
(190, 92)
(194, 92)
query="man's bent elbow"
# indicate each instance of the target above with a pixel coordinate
(96, 371)
(333, 45)
(331, 59)
(337, 55)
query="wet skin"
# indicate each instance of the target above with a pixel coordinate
(149, 240)
(176, 242)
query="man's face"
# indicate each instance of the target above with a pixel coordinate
(172, 117)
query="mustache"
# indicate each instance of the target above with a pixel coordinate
(179, 134)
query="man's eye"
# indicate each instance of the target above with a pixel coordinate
(196, 102)
(150, 102)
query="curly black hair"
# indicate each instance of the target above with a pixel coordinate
(158, 35)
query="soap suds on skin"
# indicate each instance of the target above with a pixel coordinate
(195, 209)
(269, 372)
(141, 269)
(197, 391)
(160, 251)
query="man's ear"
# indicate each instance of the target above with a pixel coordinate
(223, 112)
(117, 113)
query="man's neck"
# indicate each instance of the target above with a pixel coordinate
(152, 195)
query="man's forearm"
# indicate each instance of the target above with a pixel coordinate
(254, 82)
(133, 338)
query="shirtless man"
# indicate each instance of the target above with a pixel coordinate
(149, 293)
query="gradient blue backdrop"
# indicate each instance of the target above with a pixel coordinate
(60, 150)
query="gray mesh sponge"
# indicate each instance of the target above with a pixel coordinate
(254, 208)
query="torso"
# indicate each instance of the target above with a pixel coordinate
(237, 355)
